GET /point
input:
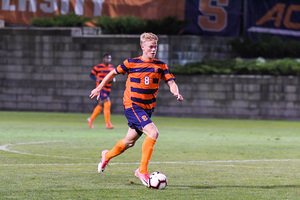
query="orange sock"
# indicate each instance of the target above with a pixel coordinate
(106, 112)
(118, 149)
(147, 150)
(96, 112)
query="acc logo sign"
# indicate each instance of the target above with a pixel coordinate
(278, 15)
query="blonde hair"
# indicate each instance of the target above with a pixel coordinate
(145, 37)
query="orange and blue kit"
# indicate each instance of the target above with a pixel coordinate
(141, 88)
(99, 72)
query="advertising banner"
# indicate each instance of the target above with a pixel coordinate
(276, 17)
(21, 11)
(214, 18)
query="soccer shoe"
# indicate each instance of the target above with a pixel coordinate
(143, 177)
(90, 122)
(109, 126)
(103, 163)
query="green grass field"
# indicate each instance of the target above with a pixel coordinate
(55, 156)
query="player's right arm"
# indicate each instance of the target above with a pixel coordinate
(93, 76)
(108, 78)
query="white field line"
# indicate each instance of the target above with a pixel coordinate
(210, 163)
(230, 163)
(5, 148)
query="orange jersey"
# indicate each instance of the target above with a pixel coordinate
(143, 81)
(100, 71)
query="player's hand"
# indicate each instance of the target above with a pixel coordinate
(178, 96)
(95, 93)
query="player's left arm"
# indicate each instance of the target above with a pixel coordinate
(174, 90)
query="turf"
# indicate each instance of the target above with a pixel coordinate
(55, 156)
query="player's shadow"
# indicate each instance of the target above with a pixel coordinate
(204, 187)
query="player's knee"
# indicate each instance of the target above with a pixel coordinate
(129, 144)
(100, 103)
(154, 134)
(151, 131)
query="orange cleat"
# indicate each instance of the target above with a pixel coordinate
(109, 126)
(143, 177)
(90, 122)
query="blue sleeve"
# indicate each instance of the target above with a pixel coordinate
(93, 76)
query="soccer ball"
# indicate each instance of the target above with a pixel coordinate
(157, 180)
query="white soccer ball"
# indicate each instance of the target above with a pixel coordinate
(157, 180)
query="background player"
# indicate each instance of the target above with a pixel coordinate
(144, 75)
(98, 73)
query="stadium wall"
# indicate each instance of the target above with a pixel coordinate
(48, 70)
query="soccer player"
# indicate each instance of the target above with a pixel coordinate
(97, 74)
(144, 75)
